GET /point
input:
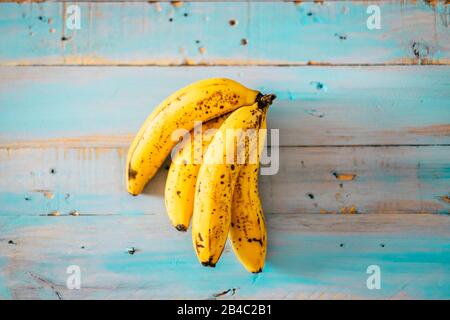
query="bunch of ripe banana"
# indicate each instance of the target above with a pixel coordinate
(218, 190)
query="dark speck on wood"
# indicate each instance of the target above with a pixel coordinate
(420, 50)
(131, 250)
(231, 291)
(341, 36)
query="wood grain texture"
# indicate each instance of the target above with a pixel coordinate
(101, 106)
(264, 33)
(309, 257)
(90, 180)
(361, 147)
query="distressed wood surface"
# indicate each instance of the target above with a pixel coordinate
(383, 105)
(309, 257)
(414, 32)
(348, 180)
(361, 147)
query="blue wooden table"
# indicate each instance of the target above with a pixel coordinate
(364, 120)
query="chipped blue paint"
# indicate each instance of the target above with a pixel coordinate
(413, 264)
(103, 204)
(411, 178)
(367, 105)
(276, 32)
(339, 105)
(312, 264)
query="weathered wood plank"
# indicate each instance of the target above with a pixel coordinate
(201, 33)
(309, 257)
(351, 106)
(309, 180)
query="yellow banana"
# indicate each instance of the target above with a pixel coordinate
(200, 101)
(182, 176)
(248, 231)
(215, 183)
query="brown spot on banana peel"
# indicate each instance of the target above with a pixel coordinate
(132, 173)
(256, 240)
(198, 245)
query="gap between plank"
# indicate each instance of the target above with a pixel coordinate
(24, 146)
(245, 64)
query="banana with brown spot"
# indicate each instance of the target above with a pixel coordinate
(182, 177)
(201, 101)
(248, 234)
(215, 183)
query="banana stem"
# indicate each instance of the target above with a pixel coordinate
(265, 100)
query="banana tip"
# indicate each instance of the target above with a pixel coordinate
(181, 227)
(208, 264)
